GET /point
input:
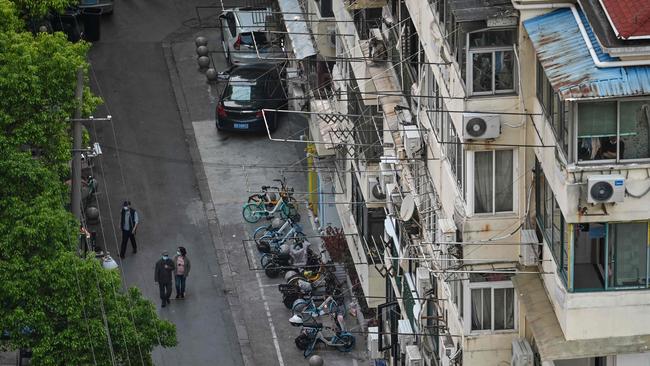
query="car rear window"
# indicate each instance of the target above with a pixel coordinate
(244, 92)
(247, 38)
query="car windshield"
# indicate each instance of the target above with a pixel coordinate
(260, 38)
(242, 92)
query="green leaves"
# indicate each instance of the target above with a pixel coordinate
(36, 8)
(63, 307)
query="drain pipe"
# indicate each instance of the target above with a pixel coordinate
(600, 64)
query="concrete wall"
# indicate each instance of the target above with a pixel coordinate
(321, 29)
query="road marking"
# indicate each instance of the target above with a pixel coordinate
(354, 362)
(268, 312)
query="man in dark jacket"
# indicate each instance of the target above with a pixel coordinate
(163, 276)
(129, 220)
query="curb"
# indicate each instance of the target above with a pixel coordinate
(230, 288)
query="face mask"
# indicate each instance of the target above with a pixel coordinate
(125, 208)
(178, 252)
(165, 257)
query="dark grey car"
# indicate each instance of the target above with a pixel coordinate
(250, 89)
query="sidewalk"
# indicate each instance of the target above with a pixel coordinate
(232, 166)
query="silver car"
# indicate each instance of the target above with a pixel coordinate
(247, 36)
(101, 6)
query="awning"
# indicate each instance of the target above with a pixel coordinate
(303, 46)
(549, 339)
(569, 67)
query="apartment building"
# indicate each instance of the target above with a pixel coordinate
(492, 176)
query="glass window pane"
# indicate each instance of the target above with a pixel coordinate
(504, 67)
(482, 72)
(503, 181)
(493, 38)
(483, 183)
(557, 233)
(481, 309)
(634, 124)
(628, 245)
(504, 308)
(597, 131)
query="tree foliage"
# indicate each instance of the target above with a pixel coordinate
(38, 8)
(67, 309)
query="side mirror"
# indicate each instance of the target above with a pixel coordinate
(223, 75)
(222, 16)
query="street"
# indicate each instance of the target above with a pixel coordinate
(146, 160)
(188, 183)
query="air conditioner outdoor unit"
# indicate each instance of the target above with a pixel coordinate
(373, 343)
(528, 253)
(375, 191)
(413, 356)
(477, 126)
(605, 188)
(422, 281)
(522, 353)
(405, 336)
(411, 139)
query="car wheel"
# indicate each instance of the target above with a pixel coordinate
(216, 123)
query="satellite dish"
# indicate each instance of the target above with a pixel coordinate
(389, 227)
(408, 207)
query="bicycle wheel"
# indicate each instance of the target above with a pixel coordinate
(299, 306)
(272, 269)
(266, 259)
(252, 213)
(262, 231)
(310, 348)
(295, 279)
(346, 342)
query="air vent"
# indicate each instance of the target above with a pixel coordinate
(481, 126)
(605, 189)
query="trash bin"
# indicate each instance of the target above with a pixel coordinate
(91, 18)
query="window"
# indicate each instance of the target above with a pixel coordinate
(432, 102)
(551, 222)
(491, 61)
(493, 181)
(453, 148)
(610, 256)
(613, 131)
(556, 110)
(492, 304)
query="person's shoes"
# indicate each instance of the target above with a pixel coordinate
(121, 256)
(164, 304)
(168, 302)
(182, 296)
(177, 296)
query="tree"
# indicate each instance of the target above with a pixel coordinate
(67, 309)
(37, 82)
(38, 8)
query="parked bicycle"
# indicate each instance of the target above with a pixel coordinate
(271, 194)
(312, 334)
(253, 212)
(271, 241)
(309, 311)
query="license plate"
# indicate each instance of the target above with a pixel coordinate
(241, 125)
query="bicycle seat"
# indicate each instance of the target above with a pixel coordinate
(277, 180)
(264, 188)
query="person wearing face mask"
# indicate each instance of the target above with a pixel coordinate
(163, 277)
(129, 220)
(181, 271)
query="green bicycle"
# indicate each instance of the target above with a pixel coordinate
(254, 211)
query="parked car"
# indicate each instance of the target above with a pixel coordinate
(101, 6)
(249, 89)
(242, 29)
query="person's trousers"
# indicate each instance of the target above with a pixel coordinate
(126, 235)
(165, 291)
(180, 285)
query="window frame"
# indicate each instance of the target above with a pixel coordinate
(469, 69)
(565, 112)
(471, 181)
(492, 285)
(575, 114)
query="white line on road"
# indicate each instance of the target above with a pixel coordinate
(268, 312)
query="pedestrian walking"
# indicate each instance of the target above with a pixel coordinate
(163, 277)
(129, 223)
(181, 271)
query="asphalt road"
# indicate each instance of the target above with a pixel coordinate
(146, 160)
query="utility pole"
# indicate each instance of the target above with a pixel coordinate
(76, 147)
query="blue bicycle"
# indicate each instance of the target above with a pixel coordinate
(312, 334)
